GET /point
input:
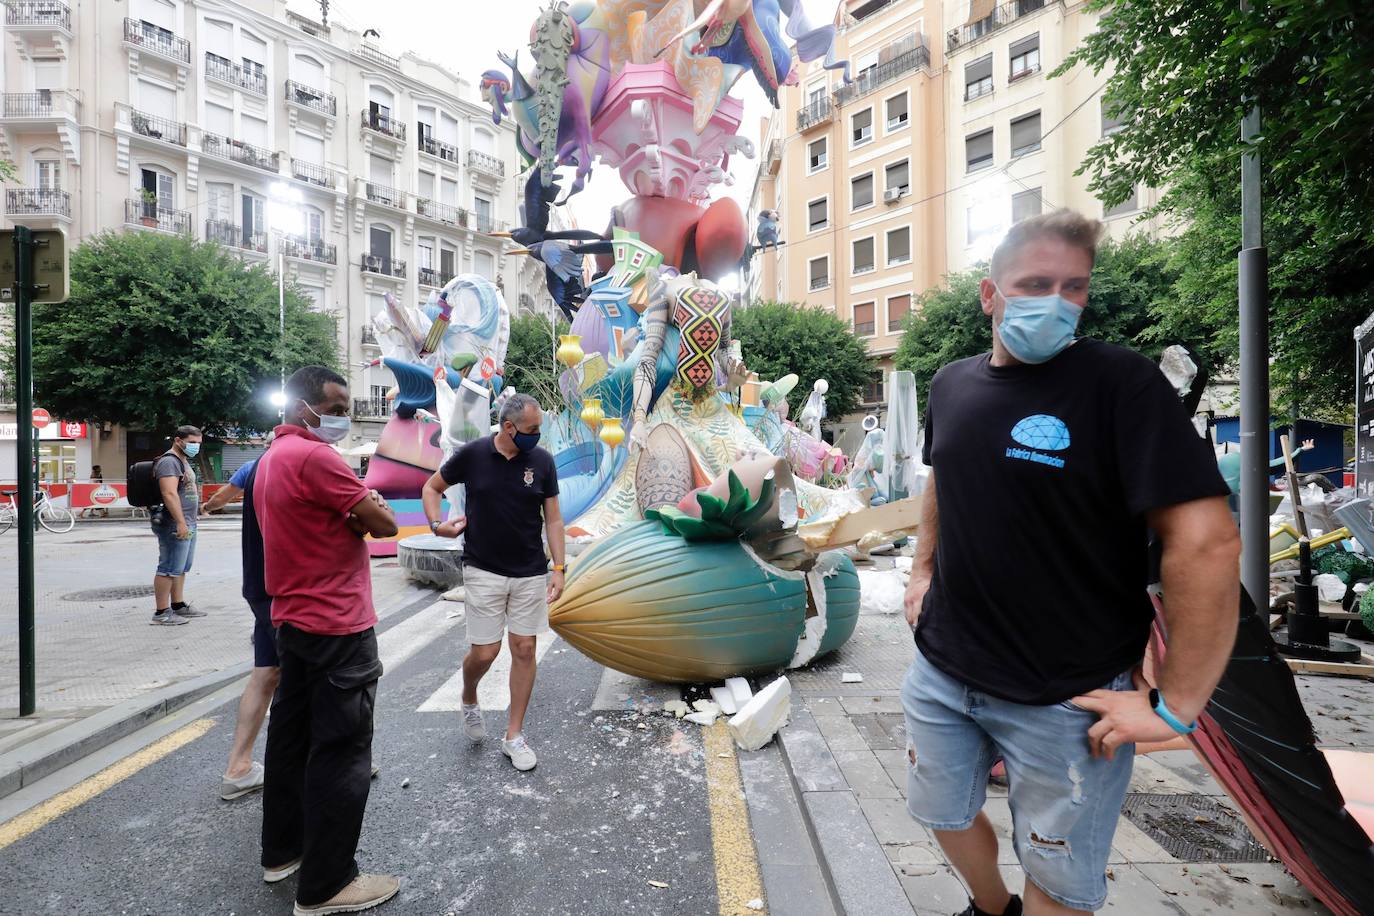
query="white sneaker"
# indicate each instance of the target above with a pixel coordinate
(519, 752)
(472, 722)
(232, 788)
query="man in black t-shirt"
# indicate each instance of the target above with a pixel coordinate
(1051, 457)
(512, 493)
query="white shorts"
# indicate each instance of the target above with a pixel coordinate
(496, 603)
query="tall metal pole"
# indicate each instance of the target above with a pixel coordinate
(25, 441)
(281, 319)
(1254, 371)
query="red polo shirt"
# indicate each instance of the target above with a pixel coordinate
(316, 568)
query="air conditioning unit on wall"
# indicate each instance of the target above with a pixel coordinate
(892, 195)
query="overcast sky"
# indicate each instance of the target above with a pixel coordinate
(464, 35)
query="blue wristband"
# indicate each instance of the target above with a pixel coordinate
(1162, 710)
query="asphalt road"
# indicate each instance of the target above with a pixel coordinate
(619, 799)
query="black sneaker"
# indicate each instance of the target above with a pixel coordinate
(187, 611)
(1013, 909)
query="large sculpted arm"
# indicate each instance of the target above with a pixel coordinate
(653, 329)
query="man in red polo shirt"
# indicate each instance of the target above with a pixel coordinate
(313, 512)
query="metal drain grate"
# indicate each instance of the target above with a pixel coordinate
(117, 593)
(1194, 828)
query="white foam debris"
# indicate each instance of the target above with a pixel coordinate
(851, 677)
(725, 700)
(706, 706)
(759, 720)
(704, 718)
(675, 708)
(739, 689)
(755, 904)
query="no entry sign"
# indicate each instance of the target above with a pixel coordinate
(41, 418)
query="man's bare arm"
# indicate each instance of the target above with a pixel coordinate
(432, 497)
(171, 498)
(553, 529)
(223, 497)
(375, 516)
(923, 563)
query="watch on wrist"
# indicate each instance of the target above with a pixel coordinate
(1162, 710)
(434, 527)
(558, 567)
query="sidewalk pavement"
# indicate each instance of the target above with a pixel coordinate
(846, 749)
(99, 662)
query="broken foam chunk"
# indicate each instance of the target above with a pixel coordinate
(756, 723)
(675, 708)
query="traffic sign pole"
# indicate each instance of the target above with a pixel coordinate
(25, 460)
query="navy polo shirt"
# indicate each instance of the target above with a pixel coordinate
(505, 506)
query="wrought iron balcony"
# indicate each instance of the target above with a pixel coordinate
(371, 408)
(488, 223)
(377, 55)
(158, 128)
(303, 249)
(387, 267)
(228, 233)
(38, 14)
(438, 148)
(815, 113)
(309, 97)
(38, 202)
(147, 37)
(429, 276)
(368, 337)
(389, 197)
(384, 124)
(485, 162)
(315, 174)
(453, 216)
(238, 151)
(143, 213)
(887, 72)
(226, 71)
(45, 103)
(1001, 16)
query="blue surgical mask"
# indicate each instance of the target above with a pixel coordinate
(331, 428)
(525, 441)
(1035, 329)
(192, 449)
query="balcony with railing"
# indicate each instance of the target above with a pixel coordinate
(154, 216)
(442, 213)
(814, 113)
(45, 104)
(304, 249)
(384, 266)
(889, 71)
(157, 128)
(238, 151)
(147, 37)
(772, 159)
(486, 163)
(368, 337)
(1000, 17)
(231, 235)
(38, 15)
(385, 125)
(223, 70)
(430, 276)
(38, 202)
(387, 197)
(378, 56)
(8, 392)
(310, 98)
(313, 173)
(485, 222)
(438, 149)
(371, 409)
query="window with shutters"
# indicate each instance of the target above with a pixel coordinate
(219, 120)
(861, 127)
(221, 201)
(873, 389)
(817, 154)
(1025, 205)
(1111, 123)
(484, 264)
(863, 320)
(861, 192)
(898, 307)
(978, 150)
(424, 254)
(897, 177)
(896, 111)
(862, 256)
(815, 93)
(899, 246)
(817, 214)
(1025, 57)
(47, 174)
(448, 192)
(1129, 205)
(310, 148)
(424, 185)
(1025, 135)
(818, 272)
(978, 78)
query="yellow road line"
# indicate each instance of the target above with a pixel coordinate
(15, 830)
(737, 866)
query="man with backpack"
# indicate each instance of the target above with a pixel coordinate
(174, 523)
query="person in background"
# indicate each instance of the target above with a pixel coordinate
(313, 513)
(174, 523)
(96, 475)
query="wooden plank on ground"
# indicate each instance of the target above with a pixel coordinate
(1363, 668)
(896, 518)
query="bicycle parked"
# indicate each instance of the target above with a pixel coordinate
(55, 518)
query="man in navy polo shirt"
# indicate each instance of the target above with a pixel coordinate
(512, 492)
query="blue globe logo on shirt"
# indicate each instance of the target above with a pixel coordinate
(1041, 431)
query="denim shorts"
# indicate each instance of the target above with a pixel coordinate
(1064, 802)
(174, 555)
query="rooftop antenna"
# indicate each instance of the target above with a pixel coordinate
(324, 13)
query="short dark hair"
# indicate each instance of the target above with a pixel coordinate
(1069, 227)
(184, 432)
(307, 383)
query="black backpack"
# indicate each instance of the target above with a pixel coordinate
(144, 491)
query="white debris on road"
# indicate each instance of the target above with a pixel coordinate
(759, 720)
(881, 591)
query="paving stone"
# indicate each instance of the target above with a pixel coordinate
(840, 733)
(873, 732)
(864, 881)
(1151, 777)
(892, 824)
(933, 889)
(1187, 767)
(1130, 893)
(865, 775)
(1133, 845)
(867, 705)
(808, 757)
(1201, 890)
(895, 763)
(923, 853)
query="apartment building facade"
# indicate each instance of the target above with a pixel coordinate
(949, 131)
(283, 138)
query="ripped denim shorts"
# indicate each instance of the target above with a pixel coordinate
(1064, 802)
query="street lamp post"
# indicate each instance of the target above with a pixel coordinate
(284, 216)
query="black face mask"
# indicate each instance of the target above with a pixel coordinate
(524, 441)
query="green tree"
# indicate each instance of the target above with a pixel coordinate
(161, 330)
(1130, 281)
(530, 367)
(8, 172)
(781, 337)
